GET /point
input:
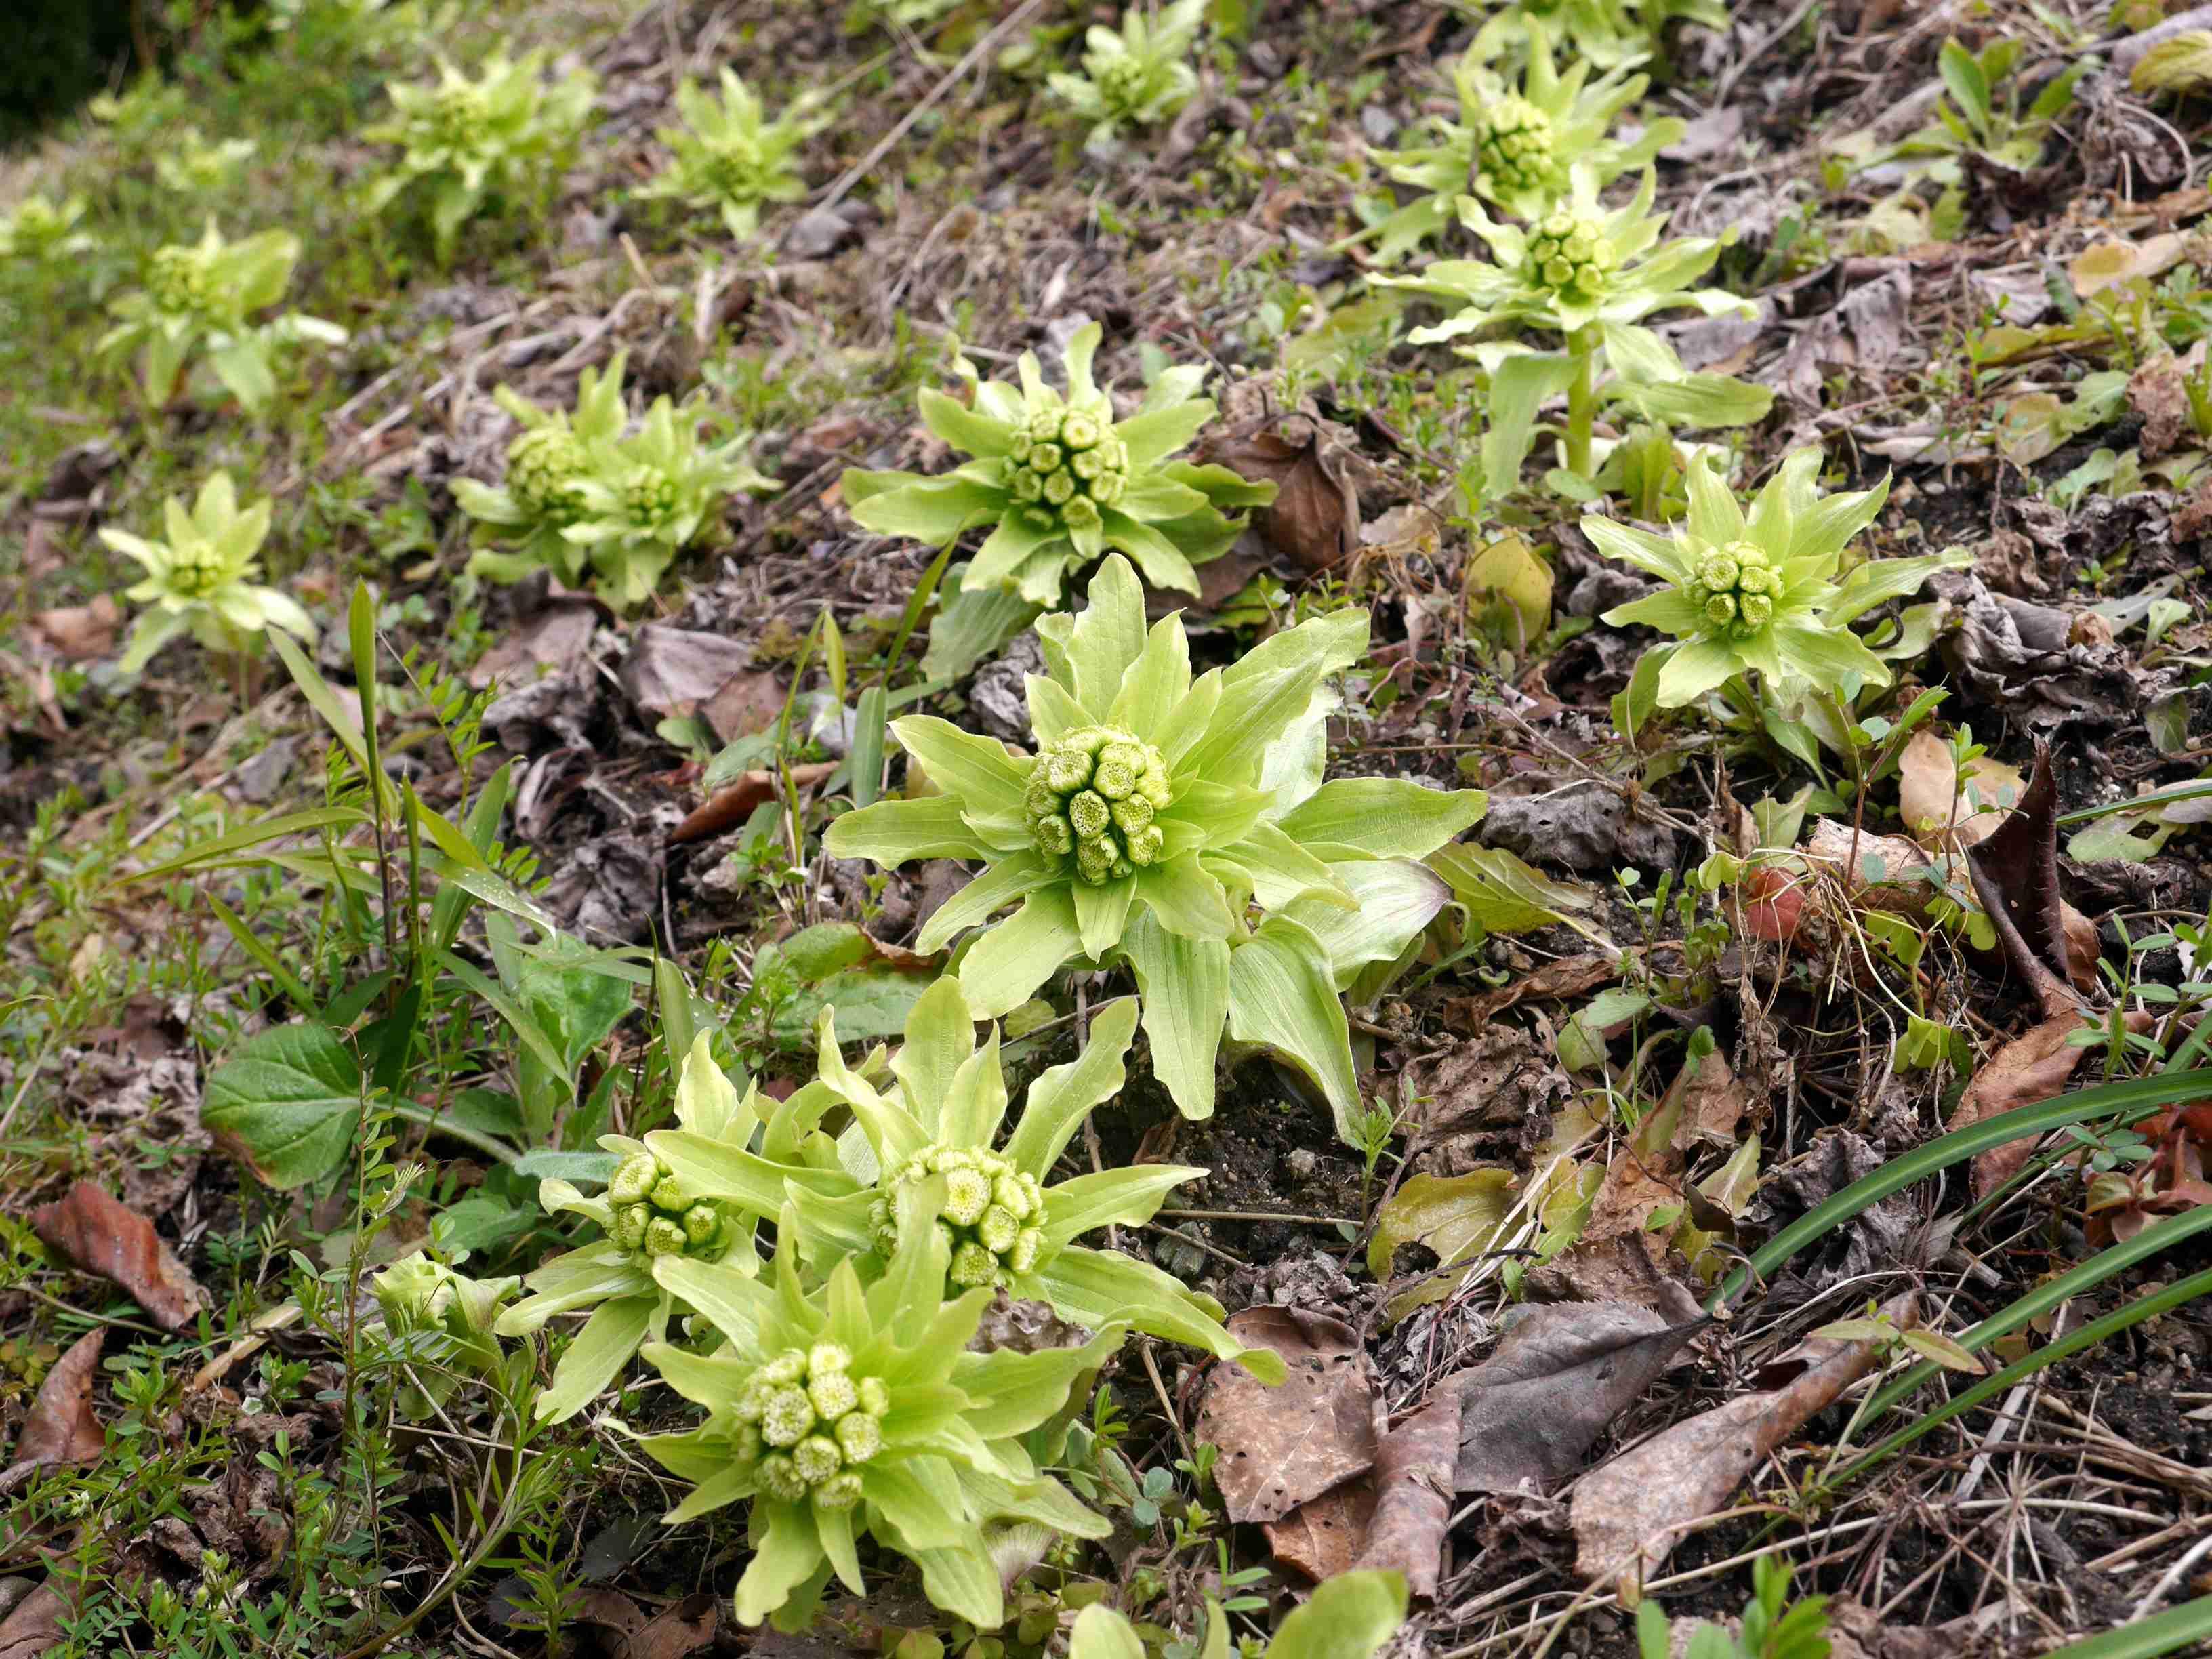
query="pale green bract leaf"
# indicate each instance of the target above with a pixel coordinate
(1282, 994)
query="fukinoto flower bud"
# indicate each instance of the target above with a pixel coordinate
(819, 1420)
(1092, 798)
(990, 1207)
(1569, 254)
(545, 469)
(1513, 146)
(653, 1215)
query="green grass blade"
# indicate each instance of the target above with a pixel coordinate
(2185, 1627)
(2140, 1094)
(2171, 1230)
(2143, 1306)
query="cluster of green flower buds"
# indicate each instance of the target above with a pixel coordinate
(458, 114)
(179, 282)
(196, 568)
(1068, 465)
(992, 1219)
(654, 1216)
(1513, 145)
(808, 1421)
(1092, 797)
(649, 498)
(545, 469)
(1736, 587)
(1569, 254)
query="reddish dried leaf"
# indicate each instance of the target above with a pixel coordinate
(102, 1236)
(1412, 1480)
(1628, 1515)
(1323, 1537)
(731, 806)
(78, 633)
(677, 1632)
(2033, 1067)
(1283, 1445)
(61, 1428)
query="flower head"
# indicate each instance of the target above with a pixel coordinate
(729, 157)
(1136, 75)
(1159, 812)
(462, 139)
(648, 1214)
(1579, 264)
(208, 293)
(1516, 141)
(1760, 590)
(1062, 481)
(548, 463)
(857, 1410)
(40, 230)
(199, 578)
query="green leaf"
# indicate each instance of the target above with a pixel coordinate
(1501, 894)
(1349, 1617)
(970, 625)
(786, 1551)
(892, 832)
(1517, 389)
(595, 1356)
(1121, 1197)
(1101, 1633)
(1185, 986)
(1393, 900)
(1061, 1097)
(1282, 994)
(1383, 817)
(288, 1104)
(1006, 964)
(2185, 1629)
(1968, 86)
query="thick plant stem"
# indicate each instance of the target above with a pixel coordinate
(1581, 400)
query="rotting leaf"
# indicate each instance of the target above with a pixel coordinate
(100, 1235)
(1516, 584)
(2103, 264)
(1559, 1377)
(1628, 1515)
(61, 1428)
(677, 1632)
(1283, 1445)
(1455, 1216)
(1502, 895)
(1315, 517)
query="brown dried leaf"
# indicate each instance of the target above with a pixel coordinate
(1281, 1446)
(1325, 1537)
(1412, 1478)
(554, 639)
(1569, 977)
(2015, 875)
(61, 1428)
(2159, 392)
(1628, 1515)
(78, 633)
(1315, 517)
(675, 1632)
(34, 1627)
(671, 671)
(731, 806)
(1933, 798)
(1562, 1372)
(2033, 1067)
(748, 701)
(101, 1236)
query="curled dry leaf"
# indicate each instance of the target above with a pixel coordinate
(1569, 977)
(100, 1235)
(729, 807)
(1559, 1377)
(61, 1428)
(2015, 875)
(1315, 517)
(1282, 1445)
(1628, 1515)
(1413, 1482)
